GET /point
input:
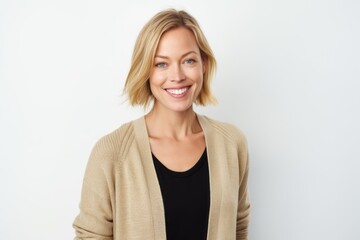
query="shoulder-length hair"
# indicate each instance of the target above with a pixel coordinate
(137, 85)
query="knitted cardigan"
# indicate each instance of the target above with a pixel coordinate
(121, 198)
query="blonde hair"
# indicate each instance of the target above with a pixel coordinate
(137, 85)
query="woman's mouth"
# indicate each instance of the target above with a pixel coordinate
(177, 92)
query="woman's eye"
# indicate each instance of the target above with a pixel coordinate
(160, 65)
(189, 61)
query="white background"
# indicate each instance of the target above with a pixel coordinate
(288, 76)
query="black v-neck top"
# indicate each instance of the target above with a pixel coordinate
(186, 197)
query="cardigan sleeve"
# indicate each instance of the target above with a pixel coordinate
(95, 220)
(244, 203)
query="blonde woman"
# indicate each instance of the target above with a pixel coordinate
(171, 174)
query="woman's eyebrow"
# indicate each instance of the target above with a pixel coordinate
(185, 54)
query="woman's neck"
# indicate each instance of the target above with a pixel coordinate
(166, 123)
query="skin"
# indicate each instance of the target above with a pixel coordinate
(176, 137)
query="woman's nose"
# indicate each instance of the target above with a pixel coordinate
(177, 74)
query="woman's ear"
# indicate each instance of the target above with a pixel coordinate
(204, 64)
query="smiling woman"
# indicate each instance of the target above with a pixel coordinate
(147, 48)
(171, 174)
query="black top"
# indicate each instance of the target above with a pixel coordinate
(186, 197)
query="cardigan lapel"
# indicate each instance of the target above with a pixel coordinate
(157, 207)
(214, 175)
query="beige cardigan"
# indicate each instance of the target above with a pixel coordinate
(121, 197)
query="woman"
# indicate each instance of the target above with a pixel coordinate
(172, 174)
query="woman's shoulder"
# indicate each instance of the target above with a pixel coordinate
(226, 129)
(116, 143)
(124, 131)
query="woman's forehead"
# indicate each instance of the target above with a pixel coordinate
(177, 41)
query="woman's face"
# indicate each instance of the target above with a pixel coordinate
(177, 75)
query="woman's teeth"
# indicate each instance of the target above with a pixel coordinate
(177, 91)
